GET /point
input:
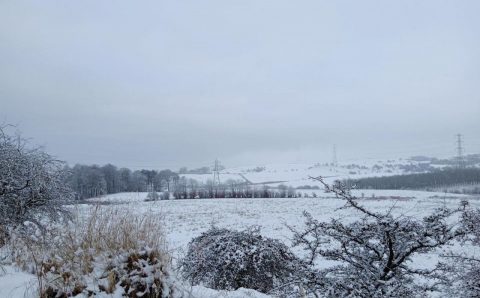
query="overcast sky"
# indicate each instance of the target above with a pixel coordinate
(171, 83)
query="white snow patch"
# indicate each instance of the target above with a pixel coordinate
(16, 284)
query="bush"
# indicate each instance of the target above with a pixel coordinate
(107, 250)
(141, 273)
(32, 187)
(375, 254)
(3, 236)
(152, 196)
(463, 268)
(223, 259)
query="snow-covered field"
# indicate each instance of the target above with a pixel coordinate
(186, 219)
(297, 174)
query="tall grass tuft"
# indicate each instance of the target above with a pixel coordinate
(102, 249)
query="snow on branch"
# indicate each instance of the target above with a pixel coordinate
(374, 254)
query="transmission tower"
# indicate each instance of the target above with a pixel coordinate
(216, 177)
(460, 150)
(334, 159)
(216, 173)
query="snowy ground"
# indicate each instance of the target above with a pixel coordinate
(186, 219)
(297, 174)
(16, 284)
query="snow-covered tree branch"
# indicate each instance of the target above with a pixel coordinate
(374, 254)
(32, 186)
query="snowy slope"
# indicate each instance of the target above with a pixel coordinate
(294, 174)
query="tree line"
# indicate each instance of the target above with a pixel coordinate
(92, 180)
(88, 181)
(192, 189)
(435, 179)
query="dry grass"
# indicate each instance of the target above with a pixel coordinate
(67, 257)
(109, 230)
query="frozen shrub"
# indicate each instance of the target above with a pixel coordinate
(142, 273)
(3, 236)
(375, 255)
(152, 196)
(105, 250)
(228, 260)
(32, 187)
(464, 268)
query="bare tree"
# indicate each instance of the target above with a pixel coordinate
(464, 268)
(32, 184)
(374, 254)
(112, 178)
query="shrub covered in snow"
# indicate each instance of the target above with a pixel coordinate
(228, 260)
(108, 250)
(464, 268)
(3, 236)
(375, 254)
(152, 196)
(32, 187)
(142, 273)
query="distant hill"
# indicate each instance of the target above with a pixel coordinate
(296, 174)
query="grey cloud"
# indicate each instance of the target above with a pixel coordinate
(176, 83)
